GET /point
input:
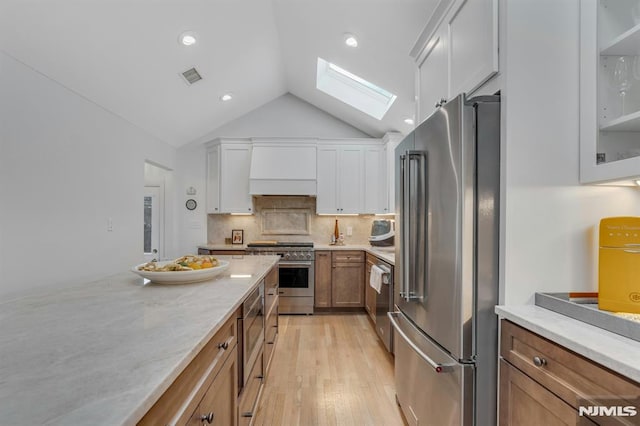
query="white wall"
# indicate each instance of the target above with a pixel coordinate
(66, 166)
(549, 228)
(286, 116)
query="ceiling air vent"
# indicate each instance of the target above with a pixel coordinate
(191, 76)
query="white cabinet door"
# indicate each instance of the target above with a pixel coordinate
(375, 183)
(340, 180)
(473, 44)
(350, 180)
(432, 75)
(213, 179)
(234, 179)
(327, 180)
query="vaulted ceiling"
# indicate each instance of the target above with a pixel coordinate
(124, 55)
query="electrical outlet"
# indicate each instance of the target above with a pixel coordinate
(109, 225)
(349, 231)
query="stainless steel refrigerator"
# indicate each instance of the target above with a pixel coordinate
(447, 208)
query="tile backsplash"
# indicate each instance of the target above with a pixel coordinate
(287, 218)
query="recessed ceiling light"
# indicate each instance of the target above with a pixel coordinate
(226, 97)
(187, 38)
(409, 121)
(350, 40)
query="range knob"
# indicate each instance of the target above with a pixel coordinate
(286, 256)
(294, 255)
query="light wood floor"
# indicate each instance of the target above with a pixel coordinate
(329, 369)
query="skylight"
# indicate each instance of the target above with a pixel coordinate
(353, 90)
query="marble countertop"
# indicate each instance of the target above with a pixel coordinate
(103, 352)
(383, 253)
(608, 349)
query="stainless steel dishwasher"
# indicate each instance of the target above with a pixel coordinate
(384, 304)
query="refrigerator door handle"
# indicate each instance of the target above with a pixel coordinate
(410, 248)
(439, 368)
(405, 208)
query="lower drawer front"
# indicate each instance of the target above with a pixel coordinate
(249, 397)
(524, 402)
(346, 256)
(575, 379)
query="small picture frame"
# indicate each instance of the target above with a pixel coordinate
(237, 236)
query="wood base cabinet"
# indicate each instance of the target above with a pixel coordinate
(524, 402)
(542, 382)
(347, 279)
(206, 389)
(218, 405)
(339, 279)
(322, 279)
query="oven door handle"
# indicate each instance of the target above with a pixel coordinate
(294, 264)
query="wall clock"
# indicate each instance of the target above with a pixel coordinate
(191, 204)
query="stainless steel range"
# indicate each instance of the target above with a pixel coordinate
(296, 273)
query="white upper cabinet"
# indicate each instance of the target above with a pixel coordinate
(228, 178)
(375, 182)
(473, 44)
(213, 179)
(432, 78)
(609, 91)
(457, 52)
(340, 179)
(351, 178)
(327, 183)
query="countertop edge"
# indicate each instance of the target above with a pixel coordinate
(137, 415)
(611, 350)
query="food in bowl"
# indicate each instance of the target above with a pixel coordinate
(185, 263)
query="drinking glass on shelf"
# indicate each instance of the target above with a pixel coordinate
(635, 12)
(636, 67)
(621, 78)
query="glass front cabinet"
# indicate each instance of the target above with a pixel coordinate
(610, 91)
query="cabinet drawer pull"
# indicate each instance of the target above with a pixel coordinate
(247, 414)
(260, 377)
(539, 362)
(224, 346)
(207, 418)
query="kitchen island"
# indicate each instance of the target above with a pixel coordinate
(104, 352)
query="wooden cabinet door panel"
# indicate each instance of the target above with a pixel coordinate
(567, 374)
(347, 289)
(524, 402)
(219, 402)
(322, 279)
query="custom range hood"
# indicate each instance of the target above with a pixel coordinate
(283, 168)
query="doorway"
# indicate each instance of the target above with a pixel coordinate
(153, 220)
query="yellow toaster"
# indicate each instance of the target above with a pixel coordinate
(619, 264)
